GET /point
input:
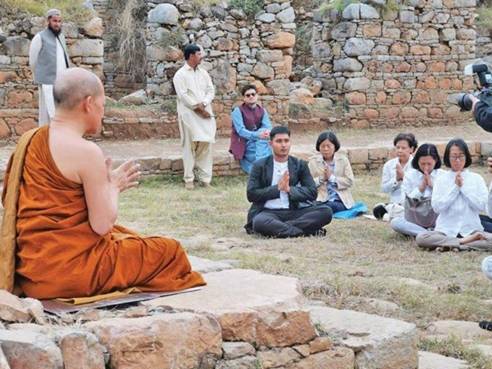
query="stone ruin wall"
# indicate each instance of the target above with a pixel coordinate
(18, 93)
(368, 66)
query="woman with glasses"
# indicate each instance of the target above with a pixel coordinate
(417, 189)
(250, 130)
(458, 197)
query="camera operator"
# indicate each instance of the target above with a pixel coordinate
(479, 103)
(482, 113)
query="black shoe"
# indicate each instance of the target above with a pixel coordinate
(379, 211)
(320, 233)
(485, 324)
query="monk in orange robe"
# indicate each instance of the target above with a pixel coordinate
(67, 242)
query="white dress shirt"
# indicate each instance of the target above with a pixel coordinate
(412, 180)
(281, 202)
(389, 184)
(459, 207)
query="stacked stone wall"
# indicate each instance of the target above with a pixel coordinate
(18, 93)
(394, 66)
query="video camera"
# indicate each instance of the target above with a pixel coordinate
(464, 100)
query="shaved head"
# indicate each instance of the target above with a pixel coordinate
(74, 85)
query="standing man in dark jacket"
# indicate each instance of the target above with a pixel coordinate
(277, 185)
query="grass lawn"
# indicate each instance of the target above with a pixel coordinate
(358, 260)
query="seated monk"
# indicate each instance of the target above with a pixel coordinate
(67, 242)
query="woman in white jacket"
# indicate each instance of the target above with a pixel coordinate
(458, 197)
(418, 184)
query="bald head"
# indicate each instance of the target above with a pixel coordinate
(74, 85)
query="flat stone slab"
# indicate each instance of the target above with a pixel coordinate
(466, 331)
(251, 306)
(179, 341)
(378, 342)
(206, 266)
(429, 360)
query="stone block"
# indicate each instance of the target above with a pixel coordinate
(17, 46)
(178, 341)
(358, 155)
(343, 30)
(347, 65)
(94, 27)
(81, 350)
(266, 17)
(378, 342)
(279, 87)
(29, 350)
(269, 56)
(430, 360)
(378, 154)
(253, 307)
(86, 47)
(14, 309)
(358, 46)
(281, 40)
(263, 71)
(3, 360)
(356, 84)
(233, 350)
(277, 357)
(286, 15)
(461, 329)
(245, 362)
(338, 358)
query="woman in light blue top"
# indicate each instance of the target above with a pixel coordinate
(250, 130)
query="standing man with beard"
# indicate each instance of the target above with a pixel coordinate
(48, 57)
(195, 92)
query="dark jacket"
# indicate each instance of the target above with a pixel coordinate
(483, 116)
(260, 189)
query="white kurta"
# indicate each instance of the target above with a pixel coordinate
(194, 86)
(46, 101)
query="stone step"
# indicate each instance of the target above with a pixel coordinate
(429, 360)
(377, 342)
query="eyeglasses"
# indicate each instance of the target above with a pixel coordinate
(250, 94)
(457, 157)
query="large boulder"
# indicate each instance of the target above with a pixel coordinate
(179, 341)
(287, 15)
(263, 71)
(164, 14)
(253, 307)
(378, 342)
(81, 350)
(29, 350)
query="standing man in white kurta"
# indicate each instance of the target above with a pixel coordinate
(195, 92)
(48, 57)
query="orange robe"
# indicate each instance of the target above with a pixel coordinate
(58, 253)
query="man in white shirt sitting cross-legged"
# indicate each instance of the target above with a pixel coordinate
(280, 188)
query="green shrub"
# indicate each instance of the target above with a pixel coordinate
(250, 7)
(72, 10)
(484, 19)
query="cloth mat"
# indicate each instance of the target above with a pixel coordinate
(356, 210)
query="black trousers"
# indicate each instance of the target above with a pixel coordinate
(486, 223)
(283, 223)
